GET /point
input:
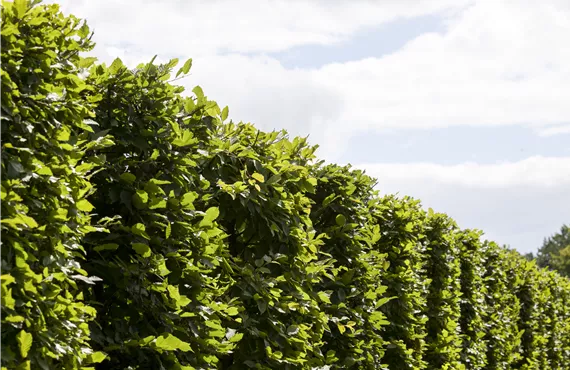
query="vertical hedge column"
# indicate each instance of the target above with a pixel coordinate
(443, 340)
(564, 316)
(46, 164)
(502, 335)
(261, 185)
(473, 308)
(529, 322)
(544, 300)
(554, 311)
(341, 211)
(162, 261)
(402, 230)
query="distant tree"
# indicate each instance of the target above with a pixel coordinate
(555, 251)
(561, 261)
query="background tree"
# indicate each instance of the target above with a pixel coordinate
(549, 255)
(561, 261)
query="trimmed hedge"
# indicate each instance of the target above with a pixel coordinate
(142, 230)
(46, 164)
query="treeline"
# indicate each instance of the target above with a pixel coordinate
(142, 230)
(554, 253)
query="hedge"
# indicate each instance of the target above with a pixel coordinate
(143, 229)
(46, 165)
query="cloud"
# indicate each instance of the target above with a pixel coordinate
(498, 63)
(544, 172)
(250, 26)
(551, 131)
(265, 93)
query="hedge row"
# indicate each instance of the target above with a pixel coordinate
(141, 230)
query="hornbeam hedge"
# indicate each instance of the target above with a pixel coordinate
(143, 230)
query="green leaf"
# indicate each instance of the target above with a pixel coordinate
(189, 105)
(225, 113)
(128, 177)
(116, 66)
(169, 342)
(142, 249)
(7, 279)
(86, 62)
(84, 205)
(24, 342)
(139, 229)
(20, 219)
(340, 220)
(199, 93)
(155, 154)
(186, 139)
(259, 177)
(324, 297)
(168, 230)
(210, 216)
(63, 134)
(174, 293)
(185, 68)
(21, 7)
(212, 109)
(37, 21)
(292, 330)
(45, 170)
(188, 199)
(140, 199)
(96, 357)
(236, 337)
(232, 311)
(14, 318)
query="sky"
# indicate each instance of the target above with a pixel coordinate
(462, 104)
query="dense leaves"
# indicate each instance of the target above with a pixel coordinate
(402, 228)
(555, 252)
(161, 261)
(142, 230)
(341, 210)
(47, 161)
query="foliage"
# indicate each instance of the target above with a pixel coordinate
(402, 228)
(561, 261)
(442, 307)
(260, 183)
(473, 313)
(47, 162)
(342, 211)
(142, 230)
(550, 253)
(502, 314)
(162, 260)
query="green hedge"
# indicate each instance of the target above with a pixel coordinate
(143, 230)
(47, 162)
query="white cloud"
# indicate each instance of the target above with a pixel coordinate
(551, 131)
(500, 62)
(207, 27)
(536, 171)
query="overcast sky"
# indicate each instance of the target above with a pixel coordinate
(462, 104)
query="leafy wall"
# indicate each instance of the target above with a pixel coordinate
(143, 230)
